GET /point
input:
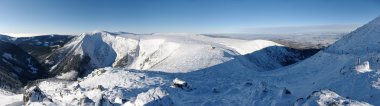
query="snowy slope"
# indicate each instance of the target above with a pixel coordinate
(186, 69)
(214, 70)
(89, 51)
(159, 52)
(361, 41)
(349, 67)
(11, 100)
(331, 77)
(145, 65)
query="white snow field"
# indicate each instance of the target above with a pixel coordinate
(187, 70)
(165, 52)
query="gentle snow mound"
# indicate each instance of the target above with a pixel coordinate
(153, 97)
(329, 98)
(68, 76)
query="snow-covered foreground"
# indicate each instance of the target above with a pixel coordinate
(211, 86)
(9, 98)
(165, 69)
(12, 100)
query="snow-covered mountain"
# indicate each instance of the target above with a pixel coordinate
(38, 46)
(345, 73)
(349, 67)
(104, 68)
(172, 53)
(17, 67)
(43, 40)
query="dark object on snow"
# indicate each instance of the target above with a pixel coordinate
(34, 94)
(286, 91)
(214, 90)
(85, 101)
(248, 84)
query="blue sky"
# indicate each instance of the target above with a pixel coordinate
(191, 16)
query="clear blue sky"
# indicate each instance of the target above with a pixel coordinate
(194, 16)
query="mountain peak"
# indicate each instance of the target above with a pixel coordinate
(376, 21)
(362, 41)
(103, 32)
(99, 32)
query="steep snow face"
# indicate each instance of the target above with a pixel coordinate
(103, 48)
(92, 50)
(152, 52)
(362, 41)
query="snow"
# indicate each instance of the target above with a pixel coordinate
(155, 50)
(217, 74)
(11, 100)
(361, 41)
(153, 97)
(160, 52)
(329, 98)
(246, 46)
(178, 81)
(363, 68)
(120, 78)
(68, 76)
